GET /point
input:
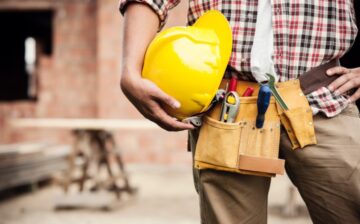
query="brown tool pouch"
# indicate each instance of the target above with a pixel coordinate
(241, 147)
(298, 119)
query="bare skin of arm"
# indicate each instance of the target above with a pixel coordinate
(140, 27)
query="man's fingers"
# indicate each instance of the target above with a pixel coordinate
(160, 95)
(159, 116)
(339, 70)
(339, 82)
(355, 96)
(163, 97)
(336, 83)
(344, 77)
(348, 85)
(148, 99)
(171, 124)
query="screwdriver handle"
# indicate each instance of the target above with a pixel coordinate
(232, 84)
(248, 92)
(263, 102)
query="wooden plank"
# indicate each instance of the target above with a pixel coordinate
(28, 165)
(31, 175)
(14, 150)
(27, 4)
(22, 5)
(87, 124)
(31, 162)
(46, 153)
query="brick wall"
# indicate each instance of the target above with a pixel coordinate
(138, 146)
(81, 80)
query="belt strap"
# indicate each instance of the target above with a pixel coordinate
(311, 80)
(317, 78)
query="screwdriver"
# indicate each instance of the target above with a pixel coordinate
(262, 104)
(248, 92)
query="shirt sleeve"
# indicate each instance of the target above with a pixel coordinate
(160, 7)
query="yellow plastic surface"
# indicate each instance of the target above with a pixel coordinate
(188, 63)
(231, 100)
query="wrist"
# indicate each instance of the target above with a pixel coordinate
(129, 76)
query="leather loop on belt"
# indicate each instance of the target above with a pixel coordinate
(316, 77)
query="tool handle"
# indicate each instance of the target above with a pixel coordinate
(232, 84)
(248, 92)
(230, 107)
(262, 104)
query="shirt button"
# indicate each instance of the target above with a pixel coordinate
(244, 60)
(278, 11)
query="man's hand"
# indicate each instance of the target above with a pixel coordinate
(349, 79)
(148, 98)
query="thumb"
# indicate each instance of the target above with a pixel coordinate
(338, 70)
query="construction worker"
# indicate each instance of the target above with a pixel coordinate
(286, 38)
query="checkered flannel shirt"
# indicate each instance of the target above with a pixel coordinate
(307, 33)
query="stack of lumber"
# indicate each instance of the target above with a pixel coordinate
(26, 163)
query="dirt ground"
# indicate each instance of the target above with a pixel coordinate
(166, 195)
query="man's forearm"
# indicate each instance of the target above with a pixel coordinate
(140, 26)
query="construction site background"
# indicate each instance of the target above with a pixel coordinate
(76, 75)
(79, 78)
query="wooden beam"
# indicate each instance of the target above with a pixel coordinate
(36, 4)
(84, 124)
(27, 5)
(19, 166)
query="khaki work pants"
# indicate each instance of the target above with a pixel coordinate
(327, 176)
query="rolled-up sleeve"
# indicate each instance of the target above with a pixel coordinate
(160, 7)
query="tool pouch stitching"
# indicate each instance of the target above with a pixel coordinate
(221, 145)
(298, 119)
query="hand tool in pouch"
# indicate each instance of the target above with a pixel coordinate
(231, 103)
(275, 93)
(263, 102)
(197, 119)
(248, 92)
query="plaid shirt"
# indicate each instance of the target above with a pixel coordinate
(307, 33)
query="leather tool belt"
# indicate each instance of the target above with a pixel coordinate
(241, 147)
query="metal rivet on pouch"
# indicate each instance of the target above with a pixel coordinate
(301, 94)
(310, 123)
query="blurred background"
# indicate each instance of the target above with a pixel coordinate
(72, 148)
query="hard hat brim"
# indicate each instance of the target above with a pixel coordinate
(217, 22)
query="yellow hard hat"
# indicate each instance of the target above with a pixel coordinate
(188, 63)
